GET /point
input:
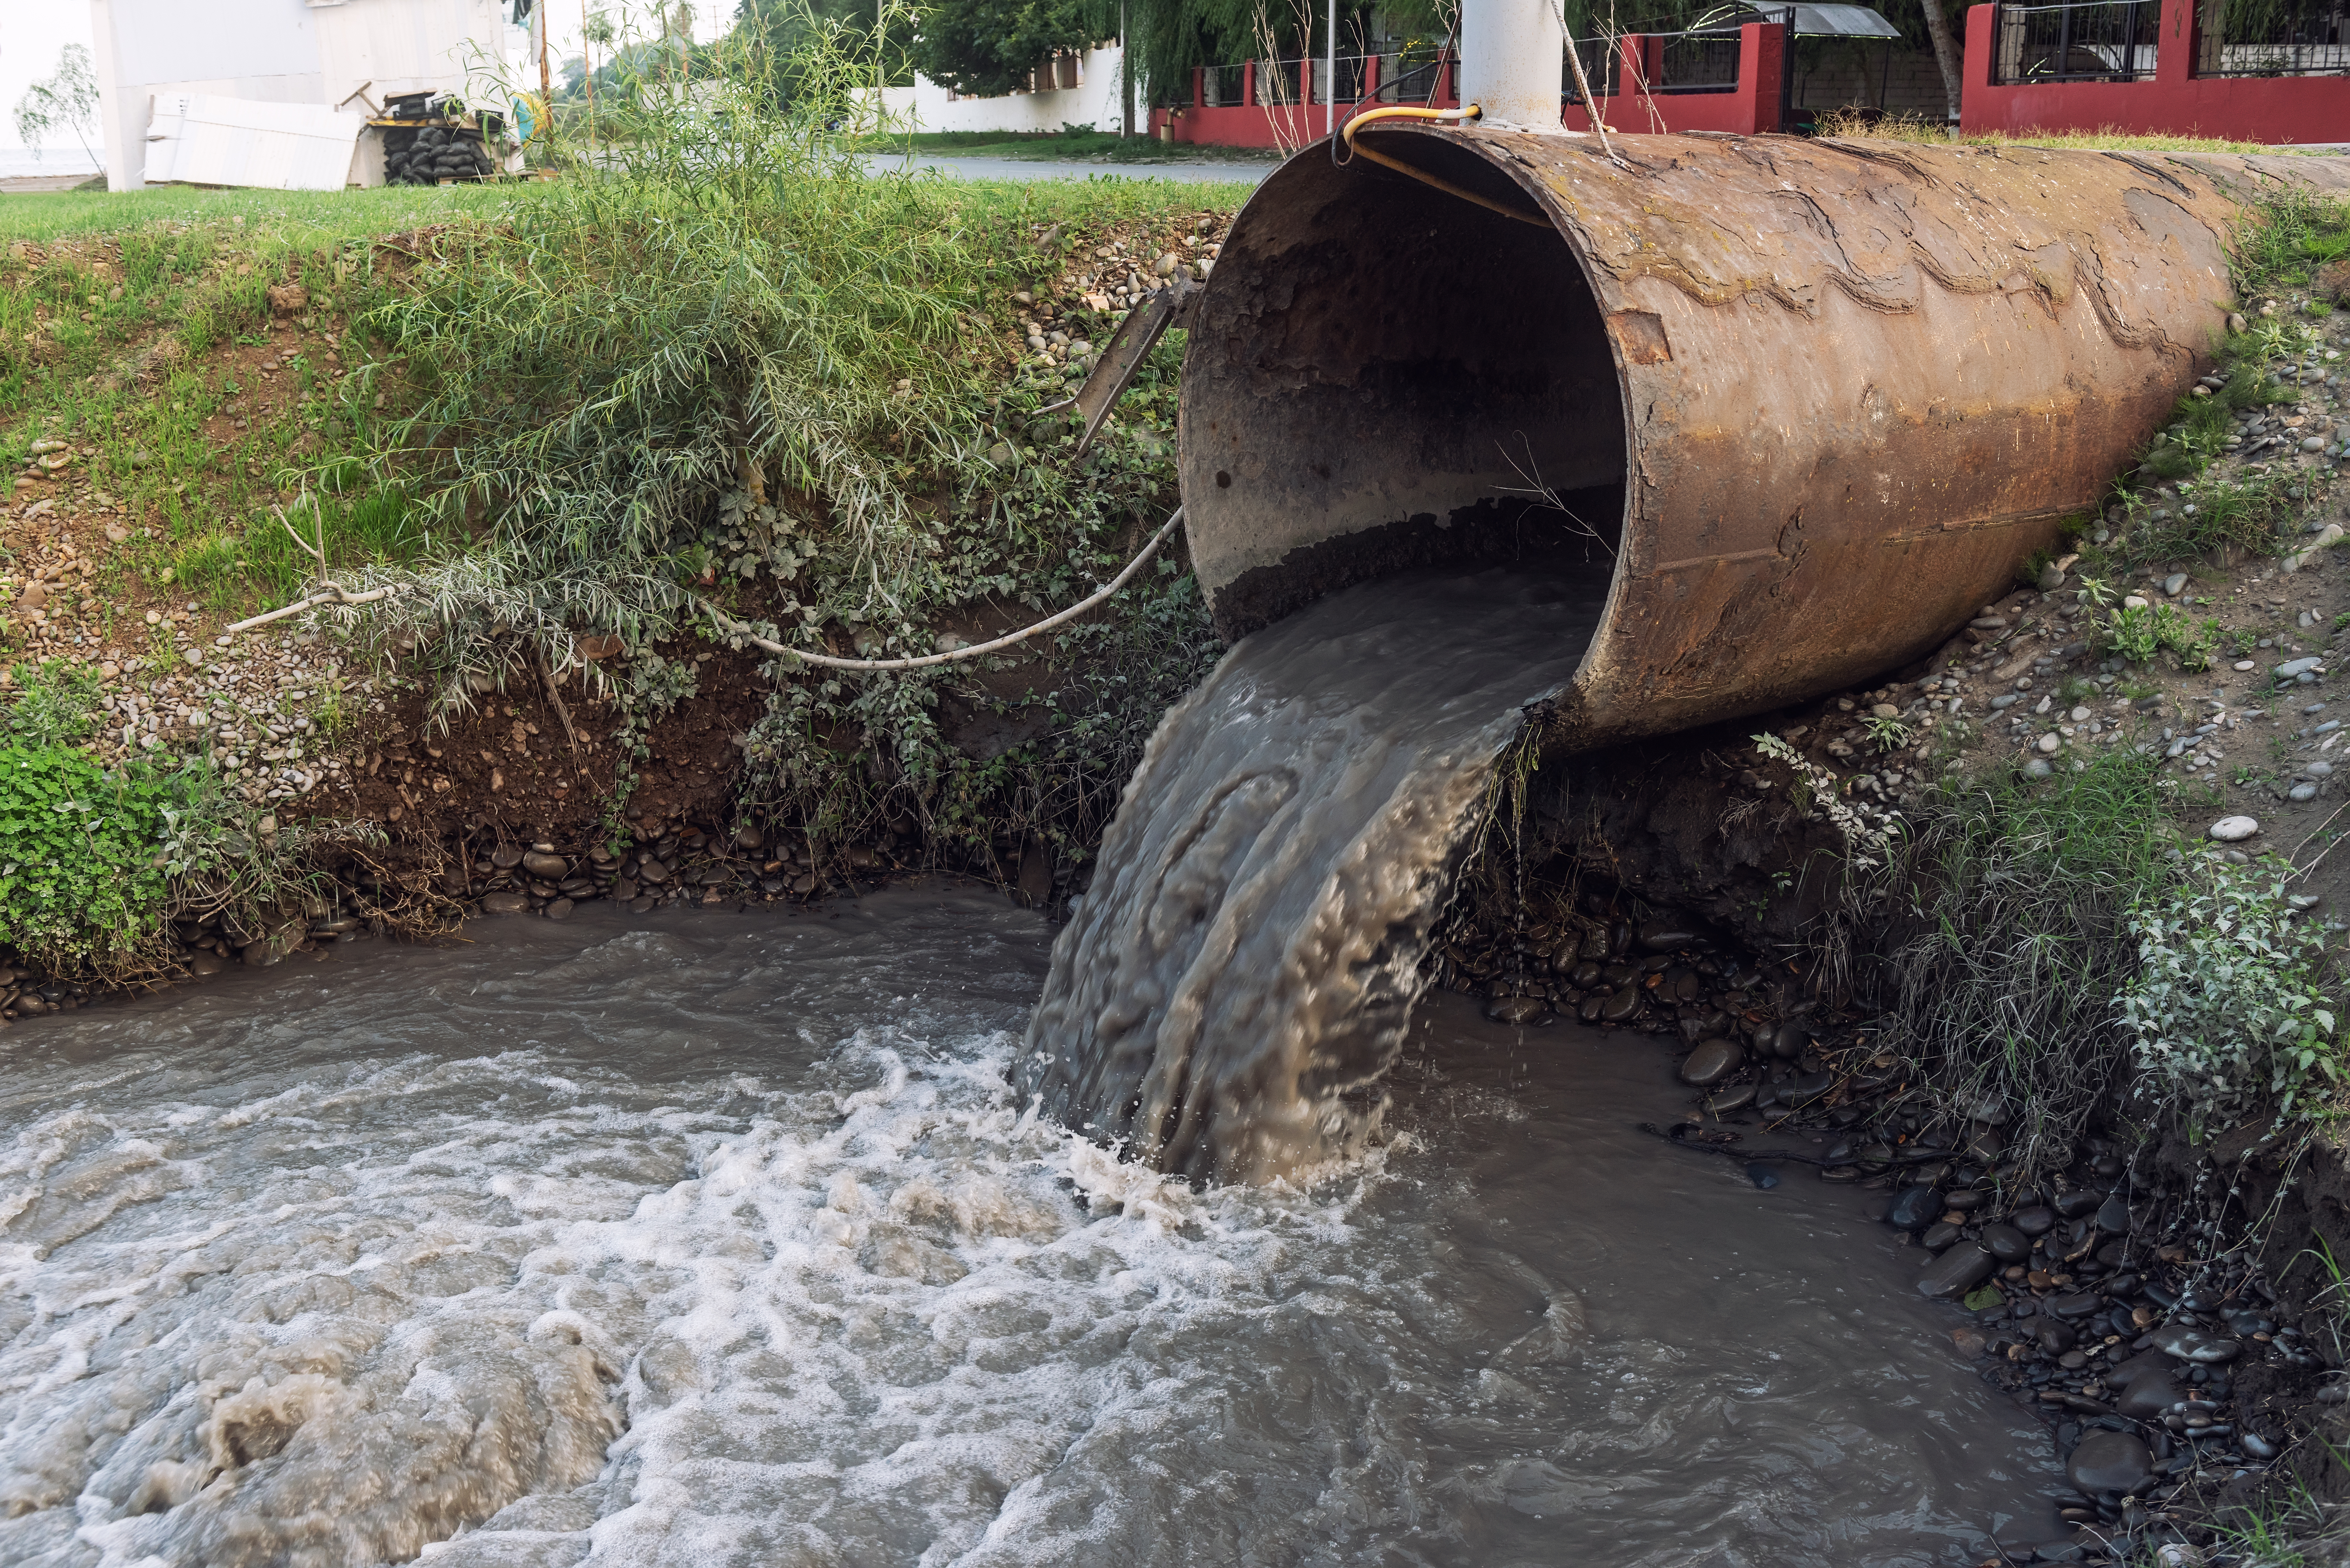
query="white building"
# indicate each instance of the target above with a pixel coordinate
(319, 54)
(1070, 90)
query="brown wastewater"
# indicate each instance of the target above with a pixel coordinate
(721, 1239)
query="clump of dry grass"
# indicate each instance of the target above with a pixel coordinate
(1859, 125)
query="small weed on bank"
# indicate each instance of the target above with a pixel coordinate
(2006, 901)
(2227, 1012)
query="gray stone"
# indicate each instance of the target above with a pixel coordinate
(2302, 791)
(2194, 1345)
(1913, 1207)
(2051, 578)
(551, 866)
(1513, 1009)
(2037, 1221)
(2234, 829)
(1737, 1097)
(2113, 1216)
(2007, 1243)
(204, 965)
(1956, 1271)
(2148, 1394)
(2318, 770)
(1711, 1063)
(559, 909)
(2108, 1461)
(2175, 584)
(2293, 668)
(504, 903)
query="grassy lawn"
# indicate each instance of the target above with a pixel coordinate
(288, 217)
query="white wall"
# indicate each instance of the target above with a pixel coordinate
(926, 105)
(284, 51)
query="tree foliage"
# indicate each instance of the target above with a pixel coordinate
(67, 100)
(986, 48)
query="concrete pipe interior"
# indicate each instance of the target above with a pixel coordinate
(1397, 377)
(1808, 403)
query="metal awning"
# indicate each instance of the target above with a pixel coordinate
(1842, 22)
(1811, 21)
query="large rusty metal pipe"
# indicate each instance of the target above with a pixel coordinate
(1819, 397)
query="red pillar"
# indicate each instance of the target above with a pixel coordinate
(1199, 87)
(1762, 66)
(2174, 59)
(1248, 83)
(1975, 112)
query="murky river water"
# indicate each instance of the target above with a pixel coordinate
(719, 1239)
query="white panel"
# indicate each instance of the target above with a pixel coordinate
(207, 140)
(415, 45)
(159, 41)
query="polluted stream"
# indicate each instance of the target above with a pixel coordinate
(713, 1238)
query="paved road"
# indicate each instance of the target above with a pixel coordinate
(1027, 169)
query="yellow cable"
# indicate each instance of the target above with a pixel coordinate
(1468, 111)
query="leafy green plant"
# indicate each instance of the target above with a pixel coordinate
(1888, 734)
(2138, 632)
(2228, 1008)
(81, 879)
(56, 705)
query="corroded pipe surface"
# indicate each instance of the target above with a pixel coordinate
(1818, 396)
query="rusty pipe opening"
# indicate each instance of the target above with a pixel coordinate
(1808, 403)
(1383, 375)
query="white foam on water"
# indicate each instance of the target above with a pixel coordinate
(336, 1303)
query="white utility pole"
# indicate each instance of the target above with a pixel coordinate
(1513, 55)
(1330, 94)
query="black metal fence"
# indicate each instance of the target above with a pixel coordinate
(1697, 62)
(2272, 39)
(2088, 41)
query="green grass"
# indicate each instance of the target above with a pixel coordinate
(291, 219)
(2000, 912)
(200, 504)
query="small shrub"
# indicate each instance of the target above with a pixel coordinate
(81, 881)
(2138, 632)
(58, 705)
(2227, 1006)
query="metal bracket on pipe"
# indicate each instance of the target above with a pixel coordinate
(1128, 347)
